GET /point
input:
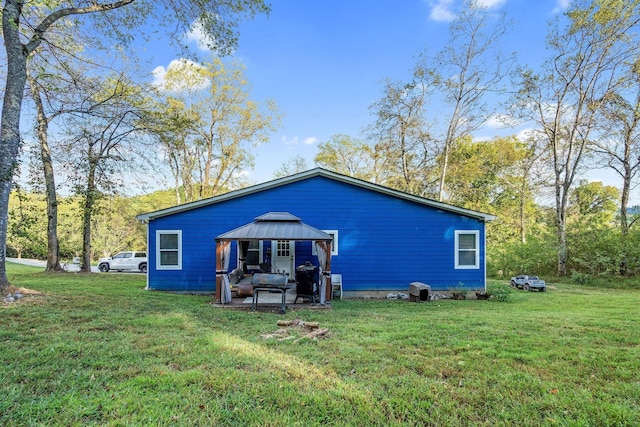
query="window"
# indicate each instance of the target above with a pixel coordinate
(254, 255)
(283, 248)
(467, 250)
(169, 250)
(334, 243)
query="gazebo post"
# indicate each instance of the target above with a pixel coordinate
(218, 268)
(328, 290)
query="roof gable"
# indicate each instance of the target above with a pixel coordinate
(307, 175)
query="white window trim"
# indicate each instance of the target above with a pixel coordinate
(334, 243)
(457, 265)
(168, 267)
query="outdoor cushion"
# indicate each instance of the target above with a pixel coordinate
(235, 276)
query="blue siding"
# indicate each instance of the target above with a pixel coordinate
(385, 242)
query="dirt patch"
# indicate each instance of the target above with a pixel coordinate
(14, 295)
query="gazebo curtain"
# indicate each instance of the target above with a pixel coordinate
(243, 249)
(323, 250)
(224, 250)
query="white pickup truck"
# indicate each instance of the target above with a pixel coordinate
(130, 260)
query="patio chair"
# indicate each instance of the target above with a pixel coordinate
(336, 284)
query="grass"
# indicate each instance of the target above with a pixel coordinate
(99, 350)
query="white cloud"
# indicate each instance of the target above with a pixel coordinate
(159, 74)
(526, 134)
(500, 121)
(198, 36)
(296, 140)
(490, 4)
(289, 141)
(481, 138)
(561, 6)
(441, 11)
(188, 71)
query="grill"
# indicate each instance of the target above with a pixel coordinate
(272, 283)
(307, 282)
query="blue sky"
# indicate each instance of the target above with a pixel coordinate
(323, 62)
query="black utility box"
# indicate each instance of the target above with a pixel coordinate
(307, 282)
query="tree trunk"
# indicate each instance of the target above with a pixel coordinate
(87, 210)
(624, 222)
(522, 225)
(448, 146)
(10, 125)
(443, 174)
(85, 265)
(53, 248)
(561, 224)
(562, 250)
(175, 170)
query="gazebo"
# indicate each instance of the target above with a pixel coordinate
(273, 226)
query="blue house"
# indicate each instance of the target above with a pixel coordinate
(382, 239)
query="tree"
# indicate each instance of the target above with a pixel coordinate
(468, 69)
(103, 141)
(26, 25)
(55, 78)
(172, 124)
(565, 99)
(400, 133)
(292, 166)
(522, 180)
(595, 200)
(350, 156)
(619, 142)
(594, 242)
(496, 176)
(216, 123)
(619, 147)
(56, 82)
(114, 227)
(42, 131)
(411, 140)
(26, 234)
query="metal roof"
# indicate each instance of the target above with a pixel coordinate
(275, 226)
(309, 174)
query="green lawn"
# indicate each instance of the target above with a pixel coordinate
(100, 350)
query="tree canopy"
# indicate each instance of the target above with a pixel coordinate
(27, 25)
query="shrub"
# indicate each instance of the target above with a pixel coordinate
(580, 278)
(537, 256)
(499, 293)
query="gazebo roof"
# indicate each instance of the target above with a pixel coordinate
(275, 226)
